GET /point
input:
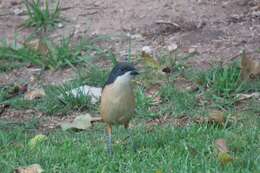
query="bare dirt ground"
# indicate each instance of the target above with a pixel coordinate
(215, 28)
(218, 30)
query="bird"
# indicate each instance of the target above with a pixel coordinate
(117, 99)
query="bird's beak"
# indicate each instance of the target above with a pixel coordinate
(134, 73)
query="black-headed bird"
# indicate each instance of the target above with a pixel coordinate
(117, 99)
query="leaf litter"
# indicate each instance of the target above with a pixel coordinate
(223, 152)
(35, 168)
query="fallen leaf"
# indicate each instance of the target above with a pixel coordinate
(192, 50)
(154, 89)
(225, 158)
(172, 47)
(149, 60)
(35, 168)
(158, 171)
(185, 85)
(241, 97)
(35, 94)
(37, 45)
(36, 140)
(221, 145)
(222, 148)
(3, 107)
(216, 117)
(152, 92)
(200, 120)
(93, 92)
(81, 122)
(250, 67)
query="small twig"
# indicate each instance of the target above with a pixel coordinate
(89, 13)
(168, 23)
(66, 8)
(234, 57)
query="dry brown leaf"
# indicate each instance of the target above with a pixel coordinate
(185, 85)
(149, 60)
(250, 67)
(35, 94)
(37, 45)
(3, 108)
(216, 117)
(81, 122)
(35, 168)
(200, 120)
(221, 145)
(222, 148)
(225, 158)
(154, 89)
(152, 92)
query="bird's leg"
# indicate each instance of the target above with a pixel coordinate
(109, 139)
(130, 136)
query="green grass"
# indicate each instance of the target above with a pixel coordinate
(144, 104)
(41, 18)
(6, 66)
(92, 75)
(58, 99)
(8, 54)
(221, 84)
(21, 55)
(178, 102)
(3, 94)
(62, 54)
(222, 80)
(165, 149)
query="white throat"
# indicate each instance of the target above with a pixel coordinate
(124, 80)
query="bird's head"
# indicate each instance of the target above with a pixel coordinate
(122, 73)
